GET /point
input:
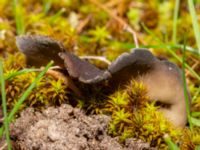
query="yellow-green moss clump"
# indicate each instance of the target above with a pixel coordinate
(133, 115)
(47, 92)
(190, 139)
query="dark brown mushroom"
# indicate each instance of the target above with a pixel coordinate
(82, 70)
(130, 65)
(164, 85)
(162, 78)
(40, 50)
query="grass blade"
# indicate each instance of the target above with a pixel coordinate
(170, 143)
(195, 121)
(185, 88)
(53, 18)
(195, 114)
(198, 147)
(171, 52)
(171, 46)
(20, 72)
(25, 95)
(27, 92)
(3, 95)
(176, 10)
(196, 95)
(194, 23)
(47, 5)
(19, 19)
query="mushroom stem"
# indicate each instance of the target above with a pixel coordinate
(59, 76)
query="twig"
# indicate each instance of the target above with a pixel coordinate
(83, 24)
(3, 147)
(54, 67)
(101, 58)
(1, 120)
(67, 81)
(138, 5)
(118, 19)
(112, 3)
(130, 30)
(193, 67)
(59, 76)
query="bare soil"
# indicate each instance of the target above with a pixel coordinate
(66, 128)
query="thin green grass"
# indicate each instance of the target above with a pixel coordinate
(19, 17)
(194, 23)
(175, 18)
(192, 121)
(25, 95)
(27, 92)
(172, 46)
(196, 94)
(195, 114)
(127, 45)
(46, 5)
(195, 121)
(185, 88)
(198, 147)
(20, 72)
(3, 96)
(171, 52)
(54, 18)
(170, 143)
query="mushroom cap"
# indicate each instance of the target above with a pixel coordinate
(131, 65)
(162, 78)
(164, 85)
(40, 50)
(142, 57)
(83, 70)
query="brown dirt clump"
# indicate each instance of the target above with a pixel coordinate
(64, 128)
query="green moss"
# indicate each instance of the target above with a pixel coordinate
(48, 91)
(134, 116)
(14, 62)
(190, 139)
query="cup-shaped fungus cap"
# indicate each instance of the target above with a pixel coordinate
(162, 78)
(131, 65)
(40, 50)
(83, 70)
